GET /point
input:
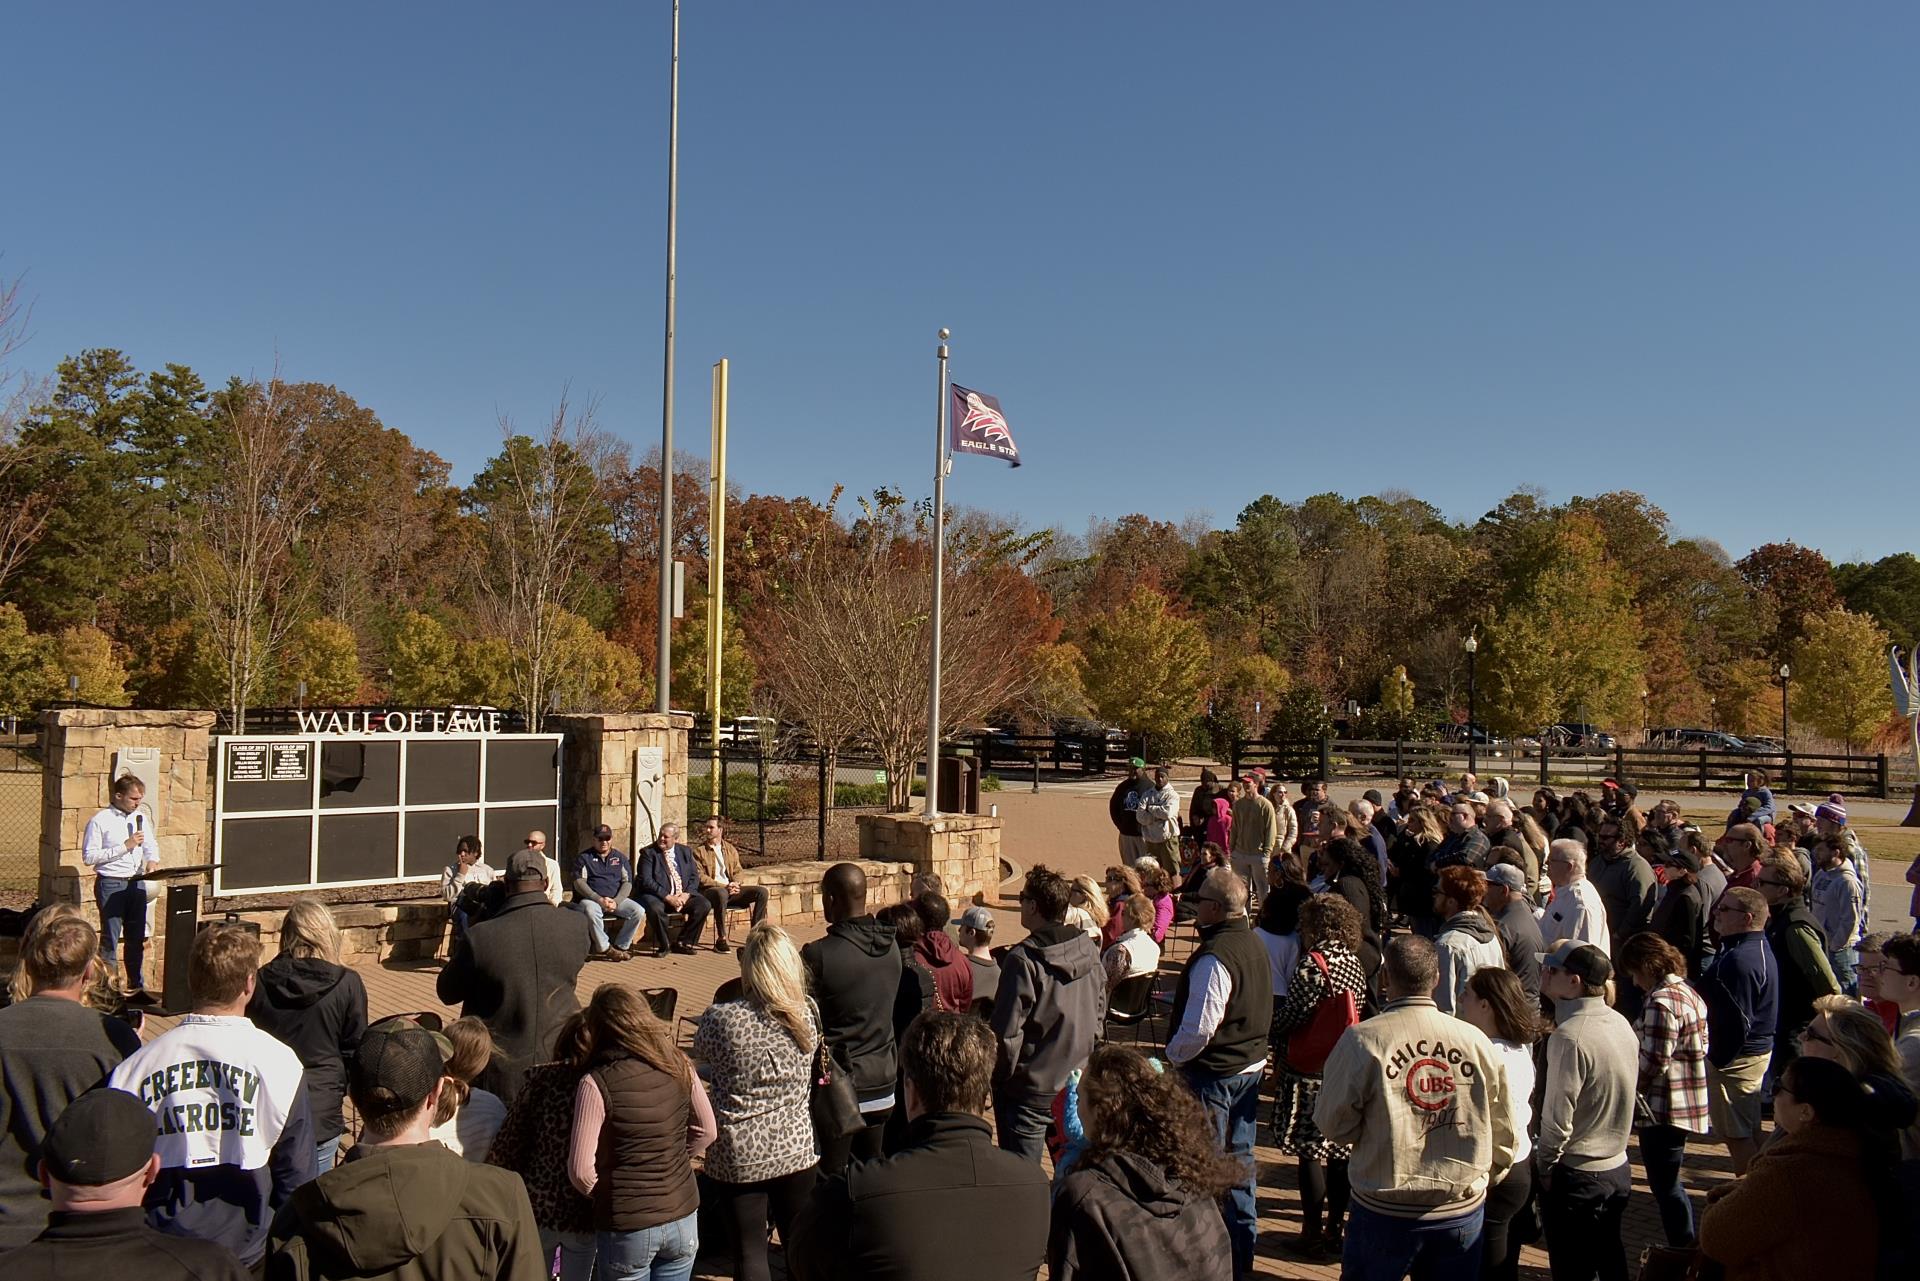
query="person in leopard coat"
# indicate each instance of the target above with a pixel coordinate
(533, 1142)
(1330, 933)
(757, 1053)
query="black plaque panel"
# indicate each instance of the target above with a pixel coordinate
(430, 839)
(522, 770)
(507, 831)
(443, 773)
(250, 786)
(358, 847)
(357, 776)
(256, 852)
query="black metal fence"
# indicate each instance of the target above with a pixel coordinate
(20, 770)
(784, 803)
(1650, 768)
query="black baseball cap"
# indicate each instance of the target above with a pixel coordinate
(526, 865)
(104, 1136)
(396, 1066)
(603, 833)
(1582, 960)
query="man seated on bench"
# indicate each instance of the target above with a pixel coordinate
(718, 864)
(602, 880)
(670, 882)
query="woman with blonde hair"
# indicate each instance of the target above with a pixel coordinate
(466, 1119)
(758, 1053)
(1087, 908)
(317, 1008)
(640, 1116)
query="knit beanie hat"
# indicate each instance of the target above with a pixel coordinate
(1834, 811)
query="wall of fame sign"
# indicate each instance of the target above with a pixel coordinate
(336, 809)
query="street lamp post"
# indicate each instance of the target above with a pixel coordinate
(1472, 644)
(1646, 717)
(1786, 674)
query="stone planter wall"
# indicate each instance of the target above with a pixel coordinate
(962, 849)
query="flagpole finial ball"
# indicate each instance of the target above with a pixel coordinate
(945, 334)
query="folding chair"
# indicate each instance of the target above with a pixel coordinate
(1130, 1004)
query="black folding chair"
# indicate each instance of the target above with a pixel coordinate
(1130, 1004)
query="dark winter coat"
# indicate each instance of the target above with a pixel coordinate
(1048, 1011)
(117, 1243)
(854, 973)
(949, 1205)
(1120, 1218)
(318, 1010)
(413, 1212)
(517, 972)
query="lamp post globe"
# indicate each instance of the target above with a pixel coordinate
(1472, 646)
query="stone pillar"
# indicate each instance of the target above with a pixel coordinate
(962, 849)
(598, 783)
(80, 746)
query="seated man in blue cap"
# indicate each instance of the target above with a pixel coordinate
(97, 1164)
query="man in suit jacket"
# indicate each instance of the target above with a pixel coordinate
(516, 970)
(670, 882)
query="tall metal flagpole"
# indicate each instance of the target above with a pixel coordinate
(663, 682)
(940, 464)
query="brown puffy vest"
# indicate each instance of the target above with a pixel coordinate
(645, 1178)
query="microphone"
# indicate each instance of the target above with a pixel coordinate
(140, 823)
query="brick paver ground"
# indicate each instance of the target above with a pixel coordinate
(1066, 827)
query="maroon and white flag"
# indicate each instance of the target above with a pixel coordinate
(978, 427)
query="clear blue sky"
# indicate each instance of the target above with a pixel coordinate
(1200, 252)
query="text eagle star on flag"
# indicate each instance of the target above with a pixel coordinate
(978, 426)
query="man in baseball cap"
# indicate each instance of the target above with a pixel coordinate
(1510, 902)
(1586, 1114)
(97, 1164)
(975, 930)
(401, 1204)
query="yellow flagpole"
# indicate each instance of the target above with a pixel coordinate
(717, 571)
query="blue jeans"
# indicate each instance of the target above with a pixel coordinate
(1022, 1122)
(663, 1253)
(576, 1253)
(123, 913)
(1663, 1149)
(1233, 1108)
(324, 1155)
(1380, 1247)
(626, 909)
(1842, 961)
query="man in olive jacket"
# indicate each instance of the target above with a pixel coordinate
(949, 1204)
(402, 1207)
(516, 970)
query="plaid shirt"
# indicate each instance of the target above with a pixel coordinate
(1673, 1056)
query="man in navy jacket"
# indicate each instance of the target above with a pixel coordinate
(670, 882)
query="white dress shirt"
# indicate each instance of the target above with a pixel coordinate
(104, 845)
(1202, 1018)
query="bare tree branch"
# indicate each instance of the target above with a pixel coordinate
(243, 573)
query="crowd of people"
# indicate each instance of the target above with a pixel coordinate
(1460, 1012)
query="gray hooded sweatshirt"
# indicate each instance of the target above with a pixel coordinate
(1467, 942)
(1053, 994)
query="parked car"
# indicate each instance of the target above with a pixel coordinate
(1577, 736)
(1695, 739)
(1482, 738)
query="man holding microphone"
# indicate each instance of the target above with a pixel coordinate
(119, 846)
